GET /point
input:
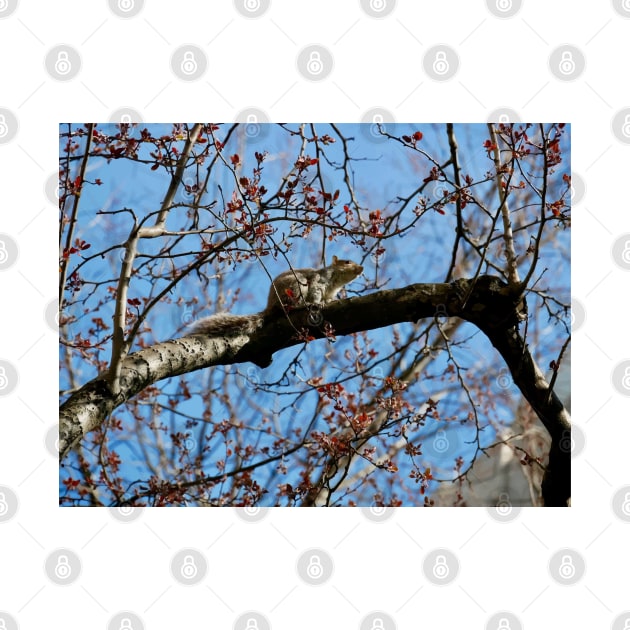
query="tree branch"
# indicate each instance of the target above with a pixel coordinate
(487, 302)
(510, 253)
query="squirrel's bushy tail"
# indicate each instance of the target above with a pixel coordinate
(224, 324)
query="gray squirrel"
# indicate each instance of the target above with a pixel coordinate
(291, 289)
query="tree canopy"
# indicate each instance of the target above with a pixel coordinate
(444, 354)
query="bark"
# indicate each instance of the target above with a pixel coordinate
(487, 302)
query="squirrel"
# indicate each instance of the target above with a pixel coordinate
(291, 289)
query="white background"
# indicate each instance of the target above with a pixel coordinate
(252, 63)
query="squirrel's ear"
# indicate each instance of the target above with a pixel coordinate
(334, 260)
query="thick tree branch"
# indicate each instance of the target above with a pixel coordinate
(486, 302)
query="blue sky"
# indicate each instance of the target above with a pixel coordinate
(382, 171)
